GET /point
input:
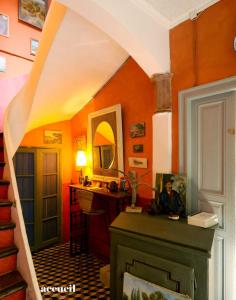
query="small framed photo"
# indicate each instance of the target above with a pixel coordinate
(137, 130)
(138, 162)
(52, 137)
(34, 44)
(4, 25)
(33, 12)
(81, 143)
(138, 148)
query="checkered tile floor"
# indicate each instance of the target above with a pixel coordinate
(55, 268)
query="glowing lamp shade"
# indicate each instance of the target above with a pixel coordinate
(81, 159)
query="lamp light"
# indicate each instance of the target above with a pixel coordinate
(81, 161)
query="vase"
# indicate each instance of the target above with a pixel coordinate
(134, 196)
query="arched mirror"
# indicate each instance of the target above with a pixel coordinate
(105, 140)
(104, 146)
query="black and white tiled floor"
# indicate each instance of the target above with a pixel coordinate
(55, 267)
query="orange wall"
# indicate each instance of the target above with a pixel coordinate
(34, 138)
(135, 92)
(18, 41)
(133, 89)
(201, 52)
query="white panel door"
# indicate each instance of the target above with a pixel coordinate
(211, 167)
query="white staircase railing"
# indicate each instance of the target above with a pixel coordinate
(15, 121)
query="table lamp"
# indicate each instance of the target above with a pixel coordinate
(81, 161)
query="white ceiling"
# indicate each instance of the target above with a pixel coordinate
(80, 61)
(174, 11)
(93, 41)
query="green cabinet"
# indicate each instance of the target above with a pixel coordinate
(38, 179)
(168, 253)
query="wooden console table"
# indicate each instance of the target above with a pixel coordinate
(113, 203)
(168, 253)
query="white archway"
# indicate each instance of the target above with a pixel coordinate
(143, 35)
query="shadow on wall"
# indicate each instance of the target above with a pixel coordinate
(9, 88)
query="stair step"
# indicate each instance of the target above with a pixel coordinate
(1, 172)
(1, 139)
(8, 251)
(6, 234)
(4, 200)
(8, 259)
(4, 184)
(11, 284)
(7, 225)
(1, 153)
(19, 295)
(2, 165)
(5, 203)
(5, 212)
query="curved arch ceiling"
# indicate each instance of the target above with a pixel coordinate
(81, 59)
(94, 39)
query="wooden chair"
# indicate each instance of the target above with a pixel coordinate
(87, 210)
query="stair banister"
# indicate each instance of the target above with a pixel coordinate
(13, 132)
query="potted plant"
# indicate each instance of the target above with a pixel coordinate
(135, 182)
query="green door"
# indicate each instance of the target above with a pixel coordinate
(49, 196)
(38, 178)
(24, 163)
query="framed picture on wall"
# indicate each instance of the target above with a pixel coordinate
(137, 162)
(81, 143)
(138, 148)
(33, 12)
(137, 130)
(4, 25)
(34, 44)
(53, 137)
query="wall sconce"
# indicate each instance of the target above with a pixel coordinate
(81, 161)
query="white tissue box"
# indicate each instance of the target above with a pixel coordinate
(203, 219)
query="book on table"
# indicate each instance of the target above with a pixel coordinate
(203, 219)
